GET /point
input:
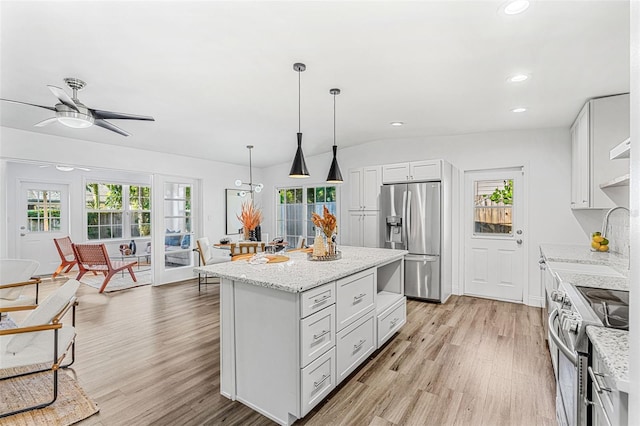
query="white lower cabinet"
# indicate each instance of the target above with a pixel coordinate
(318, 379)
(610, 406)
(317, 334)
(391, 320)
(355, 343)
(356, 295)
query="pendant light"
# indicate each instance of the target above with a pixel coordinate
(299, 166)
(334, 171)
(253, 187)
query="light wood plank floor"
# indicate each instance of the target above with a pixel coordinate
(150, 355)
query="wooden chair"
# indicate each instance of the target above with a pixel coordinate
(246, 247)
(94, 257)
(41, 338)
(67, 258)
(15, 276)
(207, 256)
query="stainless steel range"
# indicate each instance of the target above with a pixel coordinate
(576, 308)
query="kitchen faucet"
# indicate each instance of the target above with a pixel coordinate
(605, 224)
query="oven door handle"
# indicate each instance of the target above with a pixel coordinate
(572, 356)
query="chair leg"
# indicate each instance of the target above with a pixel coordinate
(57, 272)
(43, 405)
(106, 280)
(130, 269)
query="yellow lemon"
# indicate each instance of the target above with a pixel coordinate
(603, 248)
(595, 245)
(598, 238)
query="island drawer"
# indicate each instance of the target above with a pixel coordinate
(355, 343)
(317, 298)
(318, 379)
(391, 320)
(356, 295)
(317, 334)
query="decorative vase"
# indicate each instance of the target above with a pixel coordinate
(319, 246)
(331, 245)
(253, 235)
(245, 234)
(132, 247)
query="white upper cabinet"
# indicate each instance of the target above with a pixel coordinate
(364, 188)
(412, 171)
(602, 125)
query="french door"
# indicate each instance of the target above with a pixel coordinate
(495, 238)
(42, 214)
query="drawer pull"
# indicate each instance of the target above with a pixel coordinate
(322, 333)
(321, 299)
(324, 377)
(394, 322)
(358, 297)
(359, 345)
(596, 383)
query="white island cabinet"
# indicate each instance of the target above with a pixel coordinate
(291, 332)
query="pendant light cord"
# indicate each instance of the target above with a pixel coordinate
(334, 120)
(299, 101)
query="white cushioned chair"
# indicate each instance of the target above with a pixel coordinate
(15, 279)
(209, 256)
(42, 338)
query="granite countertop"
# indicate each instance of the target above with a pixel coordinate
(578, 253)
(595, 281)
(613, 347)
(299, 274)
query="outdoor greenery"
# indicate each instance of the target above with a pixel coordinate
(504, 195)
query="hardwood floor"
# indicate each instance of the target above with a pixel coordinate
(150, 355)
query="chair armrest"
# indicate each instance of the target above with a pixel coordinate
(18, 308)
(31, 329)
(24, 283)
(73, 302)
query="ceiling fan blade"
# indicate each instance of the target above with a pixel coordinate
(63, 97)
(26, 103)
(109, 126)
(110, 115)
(45, 122)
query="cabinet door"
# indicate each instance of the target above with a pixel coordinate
(370, 229)
(370, 187)
(392, 173)
(581, 181)
(355, 228)
(355, 189)
(425, 170)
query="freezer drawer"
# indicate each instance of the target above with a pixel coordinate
(422, 277)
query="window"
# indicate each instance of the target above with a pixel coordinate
(178, 241)
(493, 203)
(294, 208)
(117, 211)
(43, 210)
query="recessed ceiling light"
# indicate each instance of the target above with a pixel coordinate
(516, 6)
(518, 78)
(64, 168)
(397, 123)
(520, 109)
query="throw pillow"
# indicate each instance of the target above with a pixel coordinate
(43, 314)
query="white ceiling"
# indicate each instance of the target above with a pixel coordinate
(218, 75)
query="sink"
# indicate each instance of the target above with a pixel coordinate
(584, 268)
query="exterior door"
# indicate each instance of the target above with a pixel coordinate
(42, 215)
(495, 246)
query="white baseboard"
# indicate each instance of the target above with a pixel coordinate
(536, 301)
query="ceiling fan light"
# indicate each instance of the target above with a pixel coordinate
(299, 166)
(74, 119)
(64, 168)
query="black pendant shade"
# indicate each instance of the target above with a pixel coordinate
(334, 175)
(334, 171)
(299, 166)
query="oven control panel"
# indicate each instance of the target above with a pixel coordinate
(570, 321)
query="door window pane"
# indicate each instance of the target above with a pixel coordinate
(43, 210)
(178, 238)
(492, 211)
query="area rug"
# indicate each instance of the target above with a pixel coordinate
(72, 404)
(118, 282)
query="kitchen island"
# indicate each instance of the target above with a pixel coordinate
(291, 332)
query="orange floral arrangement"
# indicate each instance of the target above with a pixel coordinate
(250, 216)
(327, 222)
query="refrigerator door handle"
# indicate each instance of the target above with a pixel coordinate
(408, 216)
(405, 225)
(421, 257)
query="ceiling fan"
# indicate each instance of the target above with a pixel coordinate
(72, 113)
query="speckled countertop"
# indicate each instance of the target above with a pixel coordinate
(299, 274)
(577, 253)
(613, 347)
(595, 281)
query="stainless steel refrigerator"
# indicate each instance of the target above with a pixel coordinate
(411, 220)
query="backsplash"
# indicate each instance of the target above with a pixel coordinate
(618, 232)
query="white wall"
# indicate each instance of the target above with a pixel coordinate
(545, 154)
(19, 146)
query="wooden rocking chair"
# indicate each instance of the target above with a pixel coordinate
(94, 257)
